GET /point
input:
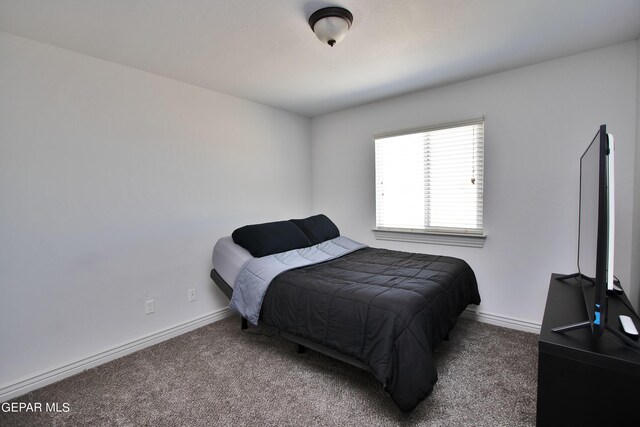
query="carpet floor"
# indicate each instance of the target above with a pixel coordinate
(219, 375)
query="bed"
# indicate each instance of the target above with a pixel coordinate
(380, 310)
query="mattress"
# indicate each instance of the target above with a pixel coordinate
(228, 258)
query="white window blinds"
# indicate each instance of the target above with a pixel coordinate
(431, 180)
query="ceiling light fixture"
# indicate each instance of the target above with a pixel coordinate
(331, 24)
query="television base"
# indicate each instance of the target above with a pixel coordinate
(572, 327)
(587, 323)
(576, 276)
(622, 336)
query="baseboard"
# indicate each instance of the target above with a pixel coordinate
(506, 322)
(26, 385)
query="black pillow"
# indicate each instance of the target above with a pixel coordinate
(318, 228)
(270, 238)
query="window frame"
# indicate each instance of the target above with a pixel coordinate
(434, 235)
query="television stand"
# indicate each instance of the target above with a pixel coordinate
(576, 276)
(589, 303)
(583, 380)
(572, 327)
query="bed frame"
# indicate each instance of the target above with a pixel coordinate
(303, 343)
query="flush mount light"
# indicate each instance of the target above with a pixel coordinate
(331, 24)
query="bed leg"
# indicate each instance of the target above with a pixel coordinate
(244, 324)
(301, 349)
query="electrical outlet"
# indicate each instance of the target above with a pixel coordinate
(191, 295)
(149, 306)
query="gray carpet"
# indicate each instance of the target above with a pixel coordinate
(218, 375)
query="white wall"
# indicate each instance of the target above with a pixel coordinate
(634, 295)
(114, 186)
(539, 119)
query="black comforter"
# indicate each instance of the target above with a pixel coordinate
(387, 309)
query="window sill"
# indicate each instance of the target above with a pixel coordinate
(435, 238)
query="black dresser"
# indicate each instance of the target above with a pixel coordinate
(584, 381)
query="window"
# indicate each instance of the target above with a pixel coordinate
(431, 181)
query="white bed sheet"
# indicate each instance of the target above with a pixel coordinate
(228, 258)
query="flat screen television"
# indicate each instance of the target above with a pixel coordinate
(595, 231)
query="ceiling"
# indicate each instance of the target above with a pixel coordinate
(264, 50)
